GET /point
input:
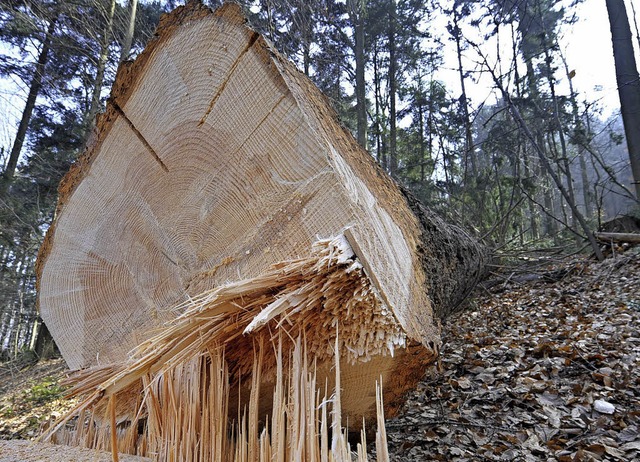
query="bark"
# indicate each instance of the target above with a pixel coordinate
(628, 83)
(357, 11)
(393, 65)
(453, 261)
(128, 38)
(633, 238)
(162, 207)
(34, 90)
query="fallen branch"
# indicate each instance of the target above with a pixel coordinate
(632, 238)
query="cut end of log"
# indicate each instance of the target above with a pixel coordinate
(326, 298)
(184, 270)
(215, 159)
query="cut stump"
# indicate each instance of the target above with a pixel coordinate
(215, 162)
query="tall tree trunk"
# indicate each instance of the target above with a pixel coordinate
(423, 151)
(580, 140)
(35, 328)
(393, 155)
(128, 38)
(533, 215)
(635, 22)
(539, 145)
(586, 192)
(304, 16)
(306, 57)
(469, 152)
(381, 155)
(15, 303)
(34, 89)
(564, 162)
(357, 13)
(628, 83)
(100, 69)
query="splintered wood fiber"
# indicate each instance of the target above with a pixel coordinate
(236, 377)
(232, 276)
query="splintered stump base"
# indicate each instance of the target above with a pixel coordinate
(221, 243)
(191, 413)
(288, 355)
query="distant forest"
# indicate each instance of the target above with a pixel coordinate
(537, 167)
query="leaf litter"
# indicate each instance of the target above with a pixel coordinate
(542, 370)
(521, 375)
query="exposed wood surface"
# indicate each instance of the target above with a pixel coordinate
(226, 160)
(216, 160)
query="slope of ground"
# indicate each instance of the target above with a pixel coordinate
(546, 369)
(30, 395)
(543, 370)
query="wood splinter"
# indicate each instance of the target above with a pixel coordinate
(158, 288)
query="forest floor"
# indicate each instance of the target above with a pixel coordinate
(547, 369)
(30, 395)
(544, 366)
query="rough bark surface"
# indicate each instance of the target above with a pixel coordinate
(628, 83)
(453, 261)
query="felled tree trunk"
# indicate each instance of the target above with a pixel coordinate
(220, 203)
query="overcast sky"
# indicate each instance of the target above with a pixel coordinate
(586, 45)
(589, 52)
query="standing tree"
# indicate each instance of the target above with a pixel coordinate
(128, 37)
(28, 16)
(105, 42)
(628, 83)
(357, 12)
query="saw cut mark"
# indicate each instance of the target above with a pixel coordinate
(252, 40)
(257, 127)
(140, 136)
